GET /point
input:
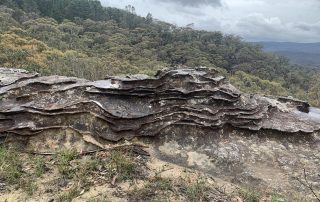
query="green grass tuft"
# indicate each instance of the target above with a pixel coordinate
(156, 189)
(195, 191)
(10, 166)
(63, 158)
(249, 195)
(28, 185)
(277, 198)
(68, 196)
(40, 166)
(121, 165)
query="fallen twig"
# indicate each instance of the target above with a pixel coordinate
(113, 182)
(84, 153)
(308, 185)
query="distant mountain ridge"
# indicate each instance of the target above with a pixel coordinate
(299, 53)
(291, 47)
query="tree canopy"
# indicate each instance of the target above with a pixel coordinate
(83, 38)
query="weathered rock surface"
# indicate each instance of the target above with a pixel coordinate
(190, 117)
(125, 107)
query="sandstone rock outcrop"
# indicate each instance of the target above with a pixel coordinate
(189, 117)
(125, 107)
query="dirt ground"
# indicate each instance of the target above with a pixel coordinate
(124, 174)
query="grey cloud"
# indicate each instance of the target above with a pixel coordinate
(259, 27)
(195, 3)
(253, 20)
(304, 27)
(307, 27)
(190, 11)
(211, 24)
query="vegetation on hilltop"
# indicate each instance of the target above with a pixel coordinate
(82, 38)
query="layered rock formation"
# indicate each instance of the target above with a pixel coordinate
(125, 107)
(190, 117)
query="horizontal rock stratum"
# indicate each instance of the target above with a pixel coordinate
(193, 117)
(129, 106)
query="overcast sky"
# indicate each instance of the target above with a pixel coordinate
(253, 20)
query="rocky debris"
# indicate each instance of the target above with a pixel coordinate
(129, 106)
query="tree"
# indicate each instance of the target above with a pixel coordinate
(30, 6)
(149, 18)
(131, 9)
(71, 34)
(314, 92)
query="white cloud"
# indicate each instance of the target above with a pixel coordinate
(194, 3)
(254, 20)
(258, 27)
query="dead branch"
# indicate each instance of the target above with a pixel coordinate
(84, 153)
(307, 184)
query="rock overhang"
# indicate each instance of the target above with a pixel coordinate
(129, 106)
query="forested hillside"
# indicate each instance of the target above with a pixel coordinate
(84, 39)
(306, 54)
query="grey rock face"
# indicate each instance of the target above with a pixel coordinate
(125, 107)
(265, 160)
(193, 118)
